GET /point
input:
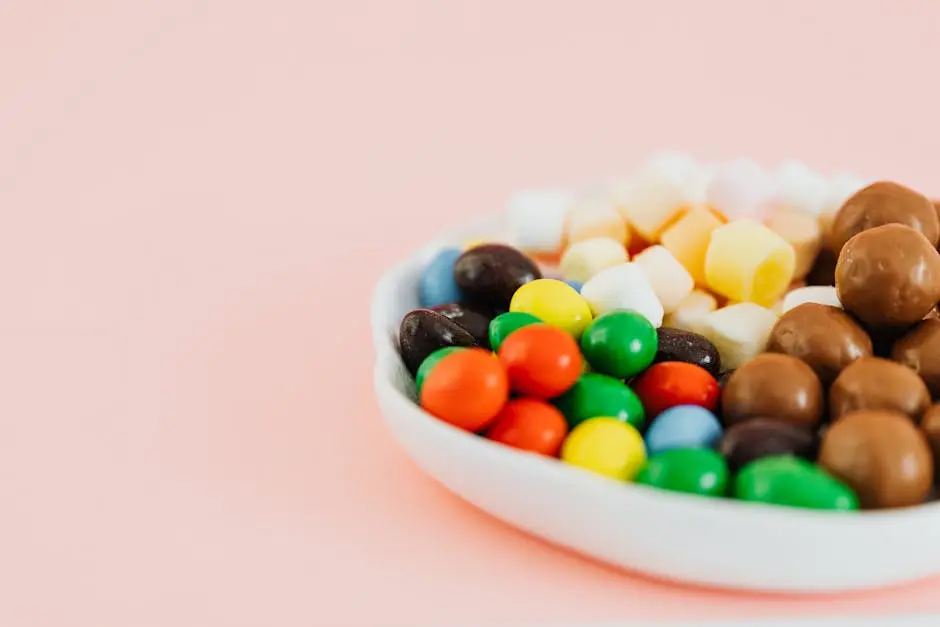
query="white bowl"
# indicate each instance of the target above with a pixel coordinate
(711, 542)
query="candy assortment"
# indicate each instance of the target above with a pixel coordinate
(716, 330)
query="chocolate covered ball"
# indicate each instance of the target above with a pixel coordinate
(824, 337)
(773, 386)
(919, 350)
(882, 456)
(930, 425)
(884, 203)
(888, 276)
(873, 383)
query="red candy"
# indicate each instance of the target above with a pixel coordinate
(673, 383)
(467, 389)
(530, 424)
(541, 360)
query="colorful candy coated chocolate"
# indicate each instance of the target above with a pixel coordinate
(600, 395)
(530, 424)
(490, 274)
(541, 360)
(504, 324)
(692, 348)
(674, 383)
(698, 471)
(553, 302)
(764, 437)
(683, 426)
(792, 482)
(437, 285)
(475, 321)
(423, 331)
(467, 389)
(606, 446)
(428, 364)
(619, 343)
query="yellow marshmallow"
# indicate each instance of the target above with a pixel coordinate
(687, 239)
(747, 262)
(802, 231)
(582, 260)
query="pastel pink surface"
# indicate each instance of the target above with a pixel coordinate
(197, 198)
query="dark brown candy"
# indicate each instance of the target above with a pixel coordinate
(919, 350)
(823, 271)
(763, 437)
(882, 456)
(884, 203)
(475, 321)
(423, 331)
(692, 348)
(490, 274)
(888, 276)
(824, 337)
(775, 386)
(873, 383)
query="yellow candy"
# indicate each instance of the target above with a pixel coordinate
(687, 239)
(606, 446)
(803, 232)
(747, 262)
(553, 302)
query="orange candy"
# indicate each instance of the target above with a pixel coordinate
(541, 360)
(467, 389)
(530, 424)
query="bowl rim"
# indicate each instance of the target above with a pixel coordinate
(387, 360)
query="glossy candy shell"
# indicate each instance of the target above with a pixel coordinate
(726, 540)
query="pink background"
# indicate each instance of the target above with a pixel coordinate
(196, 197)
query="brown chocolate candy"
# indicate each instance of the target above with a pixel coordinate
(930, 425)
(884, 203)
(490, 274)
(888, 276)
(919, 350)
(763, 437)
(823, 271)
(873, 383)
(773, 386)
(423, 331)
(882, 456)
(824, 337)
(475, 321)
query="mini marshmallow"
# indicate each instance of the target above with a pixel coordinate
(687, 239)
(537, 219)
(691, 311)
(798, 188)
(747, 262)
(582, 260)
(801, 231)
(596, 217)
(740, 188)
(822, 294)
(623, 287)
(670, 280)
(740, 332)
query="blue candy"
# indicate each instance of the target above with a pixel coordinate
(437, 285)
(577, 285)
(684, 426)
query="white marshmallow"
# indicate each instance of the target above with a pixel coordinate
(740, 188)
(537, 219)
(841, 188)
(822, 294)
(670, 280)
(691, 311)
(740, 332)
(800, 189)
(623, 287)
(582, 260)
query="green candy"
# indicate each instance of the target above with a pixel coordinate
(595, 395)
(699, 471)
(430, 361)
(504, 324)
(620, 343)
(792, 482)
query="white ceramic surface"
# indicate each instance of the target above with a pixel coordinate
(709, 542)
